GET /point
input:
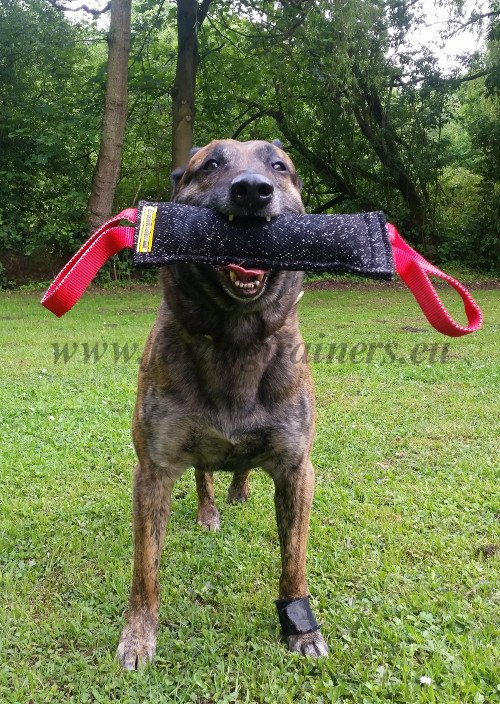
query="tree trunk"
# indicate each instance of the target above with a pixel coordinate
(190, 16)
(374, 125)
(100, 205)
(385, 148)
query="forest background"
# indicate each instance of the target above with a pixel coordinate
(373, 120)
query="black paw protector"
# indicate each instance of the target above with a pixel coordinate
(296, 617)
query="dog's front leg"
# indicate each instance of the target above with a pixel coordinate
(152, 496)
(293, 498)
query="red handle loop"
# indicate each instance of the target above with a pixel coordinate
(414, 270)
(76, 275)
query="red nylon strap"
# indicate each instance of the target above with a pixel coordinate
(415, 270)
(76, 275)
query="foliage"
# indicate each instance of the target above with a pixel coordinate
(364, 117)
(48, 119)
(371, 122)
(470, 185)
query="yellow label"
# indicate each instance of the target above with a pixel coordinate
(146, 228)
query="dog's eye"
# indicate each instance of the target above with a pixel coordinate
(279, 166)
(211, 165)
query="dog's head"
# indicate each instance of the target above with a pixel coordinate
(239, 179)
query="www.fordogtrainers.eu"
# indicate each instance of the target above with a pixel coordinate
(361, 352)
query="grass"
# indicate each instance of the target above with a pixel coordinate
(403, 567)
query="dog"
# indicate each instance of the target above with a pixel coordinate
(218, 388)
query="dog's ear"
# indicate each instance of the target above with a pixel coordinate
(278, 143)
(175, 177)
(177, 174)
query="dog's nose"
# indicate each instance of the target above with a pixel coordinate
(251, 191)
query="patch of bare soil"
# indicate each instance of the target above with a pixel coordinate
(397, 284)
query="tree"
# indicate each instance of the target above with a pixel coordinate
(107, 169)
(190, 17)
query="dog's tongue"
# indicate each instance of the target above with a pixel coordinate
(245, 273)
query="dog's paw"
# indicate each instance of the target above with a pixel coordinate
(137, 646)
(238, 492)
(311, 644)
(208, 518)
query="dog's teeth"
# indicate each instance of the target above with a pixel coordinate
(231, 217)
(247, 285)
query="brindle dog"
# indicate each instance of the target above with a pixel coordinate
(220, 389)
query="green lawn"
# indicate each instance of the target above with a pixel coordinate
(403, 566)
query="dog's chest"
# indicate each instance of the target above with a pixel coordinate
(222, 440)
(231, 448)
